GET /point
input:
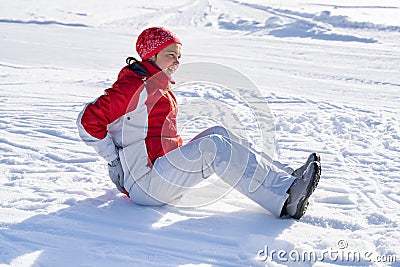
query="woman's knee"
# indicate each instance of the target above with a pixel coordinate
(214, 143)
(219, 130)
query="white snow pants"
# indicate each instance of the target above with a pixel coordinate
(218, 151)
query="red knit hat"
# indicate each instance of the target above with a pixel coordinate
(153, 40)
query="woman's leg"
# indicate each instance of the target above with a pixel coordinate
(230, 135)
(236, 164)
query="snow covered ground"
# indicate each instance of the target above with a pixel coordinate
(328, 69)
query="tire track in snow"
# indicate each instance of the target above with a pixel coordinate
(41, 153)
(358, 144)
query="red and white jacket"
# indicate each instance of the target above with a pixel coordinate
(135, 119)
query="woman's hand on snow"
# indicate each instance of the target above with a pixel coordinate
(116, 174)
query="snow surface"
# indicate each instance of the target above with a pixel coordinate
(328, 69)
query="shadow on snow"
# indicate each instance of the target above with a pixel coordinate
(111, 231)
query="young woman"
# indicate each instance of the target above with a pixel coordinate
(133, 127)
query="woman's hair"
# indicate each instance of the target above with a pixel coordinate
(131, 60)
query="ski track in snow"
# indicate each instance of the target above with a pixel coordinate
(57, 206)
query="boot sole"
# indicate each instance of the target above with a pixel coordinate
(303, 203)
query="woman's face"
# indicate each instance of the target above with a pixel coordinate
(168, 58)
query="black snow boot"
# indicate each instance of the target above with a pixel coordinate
(313, 157)
(301, 190)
